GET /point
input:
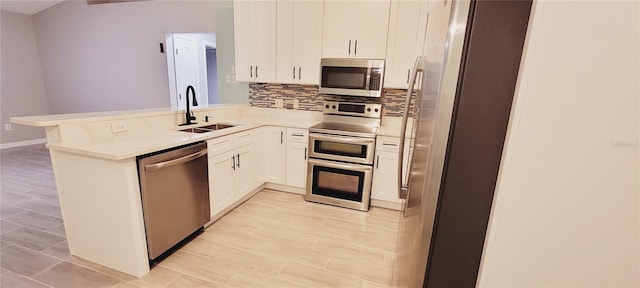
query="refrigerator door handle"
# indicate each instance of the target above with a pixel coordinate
(418, 67)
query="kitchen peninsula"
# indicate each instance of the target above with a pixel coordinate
(94, 161)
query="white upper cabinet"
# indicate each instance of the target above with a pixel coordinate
(299, 27)
(407, 25)
(355, 29)
(255, 40)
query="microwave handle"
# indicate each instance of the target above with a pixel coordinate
(368, 79)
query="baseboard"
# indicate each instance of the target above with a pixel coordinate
(285, 188)
(386, 204)
(23, 143)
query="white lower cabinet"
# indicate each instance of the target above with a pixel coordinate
(221, 182)
(385, 169)
(297, 154)
(271, 154)
(231, 170)
(244, 170)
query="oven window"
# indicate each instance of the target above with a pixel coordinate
(344, 77)
(342, 149)
(338, 183)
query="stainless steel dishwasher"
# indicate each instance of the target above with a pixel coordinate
(174, 187)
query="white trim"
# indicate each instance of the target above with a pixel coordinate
(285, 188)
(386, 204)
(23, 143)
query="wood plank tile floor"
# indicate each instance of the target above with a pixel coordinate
(274, 239)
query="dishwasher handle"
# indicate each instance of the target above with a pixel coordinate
(157, 166)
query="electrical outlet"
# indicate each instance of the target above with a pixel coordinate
(279, 103)
(296, 103)
(120, 126)
(8, 127)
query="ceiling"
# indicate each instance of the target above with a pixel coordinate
(28, 7)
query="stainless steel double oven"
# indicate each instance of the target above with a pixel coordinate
(341, 152)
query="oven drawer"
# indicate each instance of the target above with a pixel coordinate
(342, 148)
(341, 184)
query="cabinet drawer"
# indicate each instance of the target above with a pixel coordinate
(297, 135)
(244, 138)
(219, 145)
(385, 143)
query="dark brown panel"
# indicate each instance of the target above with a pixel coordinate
(481, 114)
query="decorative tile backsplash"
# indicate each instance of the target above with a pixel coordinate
(264, 95)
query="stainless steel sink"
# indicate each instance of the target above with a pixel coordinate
(217, 126)
(208, 128)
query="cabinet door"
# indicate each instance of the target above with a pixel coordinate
(284, 54)
(385, 176)
(373, 28)
(255, 43)
(407, 25)
(296, 164)
(349, 32)
(242, 40)
(262, 19)
(337, 31)
(298, 54)
(260, 155)
(244, 173)
(307, 32)
(221, 182)
(274, 155)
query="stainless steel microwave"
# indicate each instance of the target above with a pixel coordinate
(352, 77)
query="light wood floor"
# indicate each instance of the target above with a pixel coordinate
(275, 239)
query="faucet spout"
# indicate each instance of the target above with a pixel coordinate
(188, 115)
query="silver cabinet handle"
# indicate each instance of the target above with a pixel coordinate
(355, 48)
(408, 74)
(349, 47)
(389, 144)
(256, 71)
(299, 72)
(153, 167)
(238, 160)
(305, 153)
(251, 71)
(233, 159)
(281, 139)
(294, 72)
(377, 161)
(297, 135)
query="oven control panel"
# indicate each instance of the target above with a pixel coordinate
(353, 109)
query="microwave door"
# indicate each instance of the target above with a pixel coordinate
(344, 77)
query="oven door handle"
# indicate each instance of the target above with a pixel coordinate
(341, 165)
(338, 138)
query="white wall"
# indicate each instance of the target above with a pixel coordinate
(107, 57)
(22, 90)
(566, 210)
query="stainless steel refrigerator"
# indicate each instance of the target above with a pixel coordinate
(455, 122)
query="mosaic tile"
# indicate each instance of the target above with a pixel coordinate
(264, 95)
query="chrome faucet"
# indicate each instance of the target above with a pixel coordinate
(188, 115)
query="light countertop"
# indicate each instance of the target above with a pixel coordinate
(125, 146)
(129, 144)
